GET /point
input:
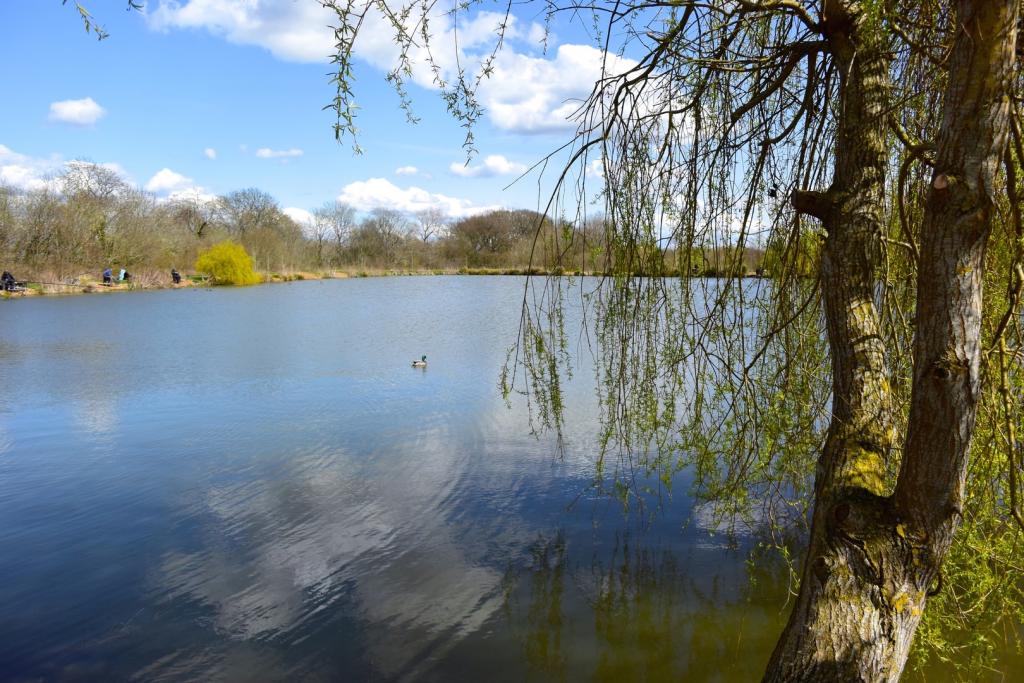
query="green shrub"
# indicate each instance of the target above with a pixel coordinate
(227, 263)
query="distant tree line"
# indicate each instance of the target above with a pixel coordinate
(89, 218)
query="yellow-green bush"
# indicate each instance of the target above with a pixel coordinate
(227, 263)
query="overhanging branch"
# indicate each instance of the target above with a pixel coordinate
(812, 203)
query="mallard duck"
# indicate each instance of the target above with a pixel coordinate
(421, 363)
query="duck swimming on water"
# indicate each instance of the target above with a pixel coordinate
(421, 363)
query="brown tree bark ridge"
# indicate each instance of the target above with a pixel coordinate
(873, 558)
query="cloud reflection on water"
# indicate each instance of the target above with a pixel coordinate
(279, 552)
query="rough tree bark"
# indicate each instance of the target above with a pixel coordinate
(837, 613)
(947, 342)
(872, 558)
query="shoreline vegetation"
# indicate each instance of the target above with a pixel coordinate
(59, 238)
(152, 281)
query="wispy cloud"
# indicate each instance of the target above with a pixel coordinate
(493, 165)
(267, 153)
(210, 153)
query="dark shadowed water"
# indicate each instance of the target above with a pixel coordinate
(254, 484)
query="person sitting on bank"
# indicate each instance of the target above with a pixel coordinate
(125, 275)
(7, 282)
(175, 276)
(120, 277)
(108, 276)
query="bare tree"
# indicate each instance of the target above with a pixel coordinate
(192, 213)
(94, 181)
(319, 231)
(432, 222)
(248, 209)
(7, 217)
(334, 222)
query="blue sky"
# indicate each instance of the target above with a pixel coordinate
(201, 97)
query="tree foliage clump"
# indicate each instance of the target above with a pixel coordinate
(90, 216)
(228, 263)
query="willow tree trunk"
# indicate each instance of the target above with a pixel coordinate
(872, 558)
(947, 342)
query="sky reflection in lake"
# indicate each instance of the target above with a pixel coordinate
(253, 484)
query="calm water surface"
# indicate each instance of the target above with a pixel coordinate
(253, 484)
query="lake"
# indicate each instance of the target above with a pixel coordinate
(253, 484)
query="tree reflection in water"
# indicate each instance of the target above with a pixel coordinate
(639, 612)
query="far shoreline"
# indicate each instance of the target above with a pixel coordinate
(85, 284)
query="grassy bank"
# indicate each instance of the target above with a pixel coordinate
(50, 284)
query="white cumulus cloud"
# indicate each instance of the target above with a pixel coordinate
(366, 195)
(300, 216)
(539, 95)
(292, 31)
(526, 92)
(267, 153)
(82, 112)
(493, 165)
(210, 153)
(172, 186)
(24, 172)
(165, 180)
